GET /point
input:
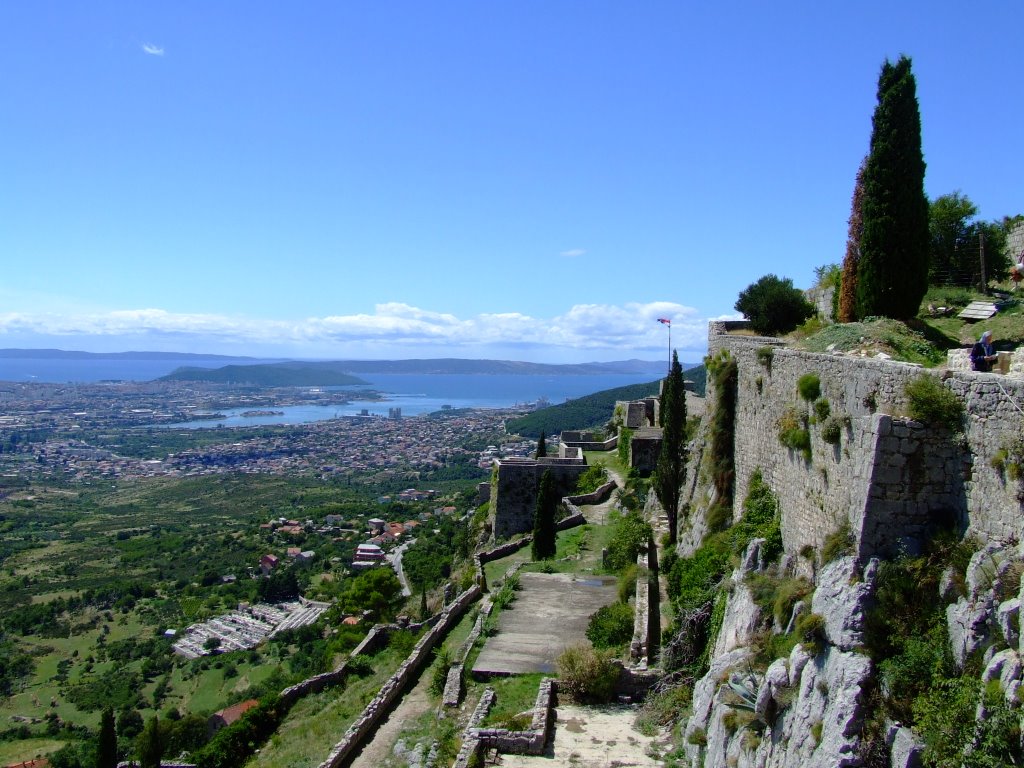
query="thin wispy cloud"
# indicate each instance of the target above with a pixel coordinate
(626, 328)
(573, 253)
(152, 50)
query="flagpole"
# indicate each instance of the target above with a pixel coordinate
(668, 323)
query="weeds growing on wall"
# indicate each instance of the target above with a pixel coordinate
(794, 434)
(765, 355)
(809, 387)
(722, 430)
(933, 404)
(838, 544)
(695, 581)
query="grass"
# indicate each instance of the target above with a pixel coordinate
(316, 723)
(12, 752)
(515, 694)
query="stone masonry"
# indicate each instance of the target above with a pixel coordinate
(514, 492)
(888, 477)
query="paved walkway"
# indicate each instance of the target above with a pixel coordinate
(592, 737)
(550, 613)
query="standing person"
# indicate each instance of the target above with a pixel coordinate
(983, 354)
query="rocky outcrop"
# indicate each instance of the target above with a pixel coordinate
(804, 710)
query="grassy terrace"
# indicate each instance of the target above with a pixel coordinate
(316, 723)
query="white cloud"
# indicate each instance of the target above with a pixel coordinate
(619, 330)
(152, 50)
(573, 253)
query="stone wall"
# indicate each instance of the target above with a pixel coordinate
(406, 673)
(515, 490)
(644, 449)
(888, 476)
(529, 742)
(1015, 242)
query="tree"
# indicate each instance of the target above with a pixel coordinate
(543, 546)
(854, 230)
(773, 305)
(542, 446)
(106, 748)
(956, 243)
(670, 472)
(150, 744)
(892, 272)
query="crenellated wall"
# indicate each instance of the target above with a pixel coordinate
(888, 477)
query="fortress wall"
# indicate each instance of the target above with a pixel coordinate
(888, 476)
(515, 495)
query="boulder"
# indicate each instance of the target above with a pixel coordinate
(842, 598)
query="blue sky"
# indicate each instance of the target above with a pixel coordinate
(522, 180)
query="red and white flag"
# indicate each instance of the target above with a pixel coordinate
(664, 321)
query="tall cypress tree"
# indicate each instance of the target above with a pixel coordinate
(855, 227)
(542, 446)
(543, 546)
(892, 273)
(670, 472)
(106, 748)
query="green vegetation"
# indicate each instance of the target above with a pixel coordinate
(611, 626)
(892, 271)
(543, 545)
(954, 255)
(588, 412)
(587, 676)
(290, 374)
(670, 473)
(793, 432)
(629, 539)
(773, 306)
(809, 387)
(933, 404)
(721, 432)
(876, 335)
(595, 476)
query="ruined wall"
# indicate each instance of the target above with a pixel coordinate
(888, 476)
(514, 495)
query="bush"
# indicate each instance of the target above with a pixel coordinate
(629, 538)
(837, 544)
(809, 387)
(933, 404)
(611, 626)
(592, 479)
(793, 433)
(773, 305)
(588, 676)
(765, 355)
(810, 628)
(822, 409)
(627, 581)
(832, 431)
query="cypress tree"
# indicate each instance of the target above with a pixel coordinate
(892, 272)
(543, 546)
(542, 446)
(855, 227)
(106, 748)
(670, 472)
(151, 744)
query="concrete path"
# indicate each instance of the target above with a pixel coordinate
(593, 737)
(550, 613)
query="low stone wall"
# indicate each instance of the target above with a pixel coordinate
(392, 689)
(528, 742)
(598, 496)
(452, 694)
(638, 645)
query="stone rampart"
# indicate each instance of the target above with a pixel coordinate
(888, 477)
(515, 490)
(404, 675)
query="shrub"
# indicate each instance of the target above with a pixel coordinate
(765, 355)
(773, 305)
(810, 628)
(809, 387)
(933, 404)
(592, 479)
(588, 676)
(439, 674)
(837, 544)
(832, 430)
(793, 433)
(628, 539)
(627, 582)
(611, 626)
(822, 409)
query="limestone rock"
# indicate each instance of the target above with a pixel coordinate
(904, 749)
(842, 600)
(1008, 617)
(967, 623)
(1005, 667)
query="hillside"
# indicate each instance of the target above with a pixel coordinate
(291, 374)
(582, 413)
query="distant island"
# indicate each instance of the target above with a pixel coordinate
(291, 374)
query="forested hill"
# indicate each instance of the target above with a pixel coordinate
(291, 374)
(593, 410)
(582, 413)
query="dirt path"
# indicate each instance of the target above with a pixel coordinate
(377, 751)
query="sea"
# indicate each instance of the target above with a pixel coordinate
(414, 394)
